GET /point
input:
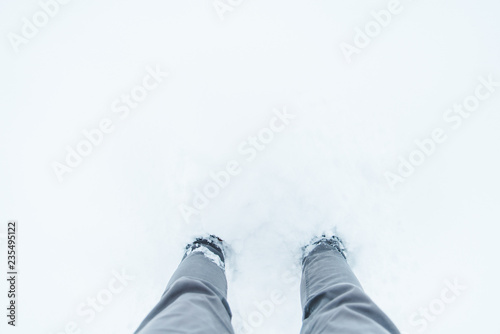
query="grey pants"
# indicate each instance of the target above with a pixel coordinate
(332, 299)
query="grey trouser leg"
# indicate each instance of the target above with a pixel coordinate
(333, 300)
(194, 301)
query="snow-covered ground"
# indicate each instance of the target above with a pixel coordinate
(99, 236)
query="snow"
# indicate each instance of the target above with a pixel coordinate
(118, 211)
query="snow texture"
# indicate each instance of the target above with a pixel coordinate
(117, 213)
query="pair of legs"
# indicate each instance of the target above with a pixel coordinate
(331, 296)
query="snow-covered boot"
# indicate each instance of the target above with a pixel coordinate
(332, 241)
(212, 247)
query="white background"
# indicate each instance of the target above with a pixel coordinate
(118, 210)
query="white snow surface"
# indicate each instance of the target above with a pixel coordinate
(118, 211)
